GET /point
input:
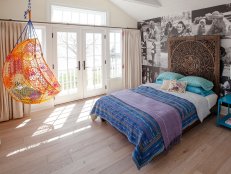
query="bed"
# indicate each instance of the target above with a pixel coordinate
(153, 119)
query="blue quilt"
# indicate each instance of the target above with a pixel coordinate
(139, 127)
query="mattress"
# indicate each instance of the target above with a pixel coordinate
(202, 104)
(212, 100)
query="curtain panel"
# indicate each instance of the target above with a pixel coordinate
(9, 108)
(131, 43)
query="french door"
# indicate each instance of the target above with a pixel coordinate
(93, 63)
(79, 63)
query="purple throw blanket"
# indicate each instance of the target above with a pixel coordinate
(166, 116)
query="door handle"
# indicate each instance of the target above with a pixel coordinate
(79, 67)
(84, 65)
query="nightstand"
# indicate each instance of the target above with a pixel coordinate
(221, 120)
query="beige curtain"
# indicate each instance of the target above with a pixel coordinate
(132, 58)
(9, 108)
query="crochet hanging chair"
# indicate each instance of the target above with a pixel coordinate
(26, 75)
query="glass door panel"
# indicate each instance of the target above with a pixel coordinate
(115, 80)
(94, 63)
(68, 66)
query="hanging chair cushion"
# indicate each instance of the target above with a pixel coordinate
(26, 75)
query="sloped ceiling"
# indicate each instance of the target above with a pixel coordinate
(156, 8)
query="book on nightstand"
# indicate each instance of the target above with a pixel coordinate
(228, 121)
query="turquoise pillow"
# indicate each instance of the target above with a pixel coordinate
(198, 82)
(199, 90)
(159, 81)
(169, 76)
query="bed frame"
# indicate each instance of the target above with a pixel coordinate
(197, 56)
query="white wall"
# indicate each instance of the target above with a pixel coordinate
(14, 9)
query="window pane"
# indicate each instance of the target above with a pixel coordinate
(71, 63)
(117, 36)
(67, 61)
(56, 16)
(98, 20)
(89, 39)
(66, 16)
(98, 39)
(112, 38)
(98, 61)
(90, 61)
(72, 51)
(62, 62)
(89, 50)
(72, 38)
(62, 38)
(83, 18)
(90, 19)
(117, 48)
(115, 55)
(41, 35)
(112, 48)
(98, 50)
(77, 16)
(61, 50)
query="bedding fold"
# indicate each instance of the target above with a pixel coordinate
(165, 115)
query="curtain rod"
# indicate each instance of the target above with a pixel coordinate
(69, 24)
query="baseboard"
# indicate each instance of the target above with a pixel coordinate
(42, 106)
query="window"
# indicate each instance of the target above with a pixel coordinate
(77, 16)
(115, 54)
(41, 34)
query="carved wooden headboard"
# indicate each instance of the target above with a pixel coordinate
(197, 56)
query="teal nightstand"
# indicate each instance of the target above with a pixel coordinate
(221, 120)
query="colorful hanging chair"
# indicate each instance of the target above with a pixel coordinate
(26, 75)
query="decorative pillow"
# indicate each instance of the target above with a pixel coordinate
(159, 81)
(198, 82)
(166, 83)
(199, 90)
(169, 76)
(176, 86)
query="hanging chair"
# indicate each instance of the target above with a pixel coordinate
(26, 75)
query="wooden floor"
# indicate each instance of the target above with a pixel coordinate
(64, 140)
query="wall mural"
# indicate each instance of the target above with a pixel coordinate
(225, 66)
(212, 20)
(207, 21)
(150, 44)
(175, 25)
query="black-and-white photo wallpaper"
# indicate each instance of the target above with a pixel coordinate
(212, 20)
(175, 25)
(206, 21)
(225, 66)
(151, 41)
(151, 48)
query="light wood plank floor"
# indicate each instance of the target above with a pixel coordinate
(64, 140)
